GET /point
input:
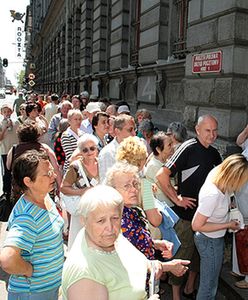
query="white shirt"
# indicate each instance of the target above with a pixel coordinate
(106, 158)
(213, 204)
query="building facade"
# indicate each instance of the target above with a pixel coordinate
(145, 52)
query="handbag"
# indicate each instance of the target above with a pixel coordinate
(71, 202)
(5, 208)
(235, 214)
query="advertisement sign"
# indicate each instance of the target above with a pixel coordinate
(207, 62)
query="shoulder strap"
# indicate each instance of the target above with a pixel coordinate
(82, 173)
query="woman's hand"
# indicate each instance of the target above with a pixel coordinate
(165, 247)
(178, 267)
(234, 225)
(157, 267)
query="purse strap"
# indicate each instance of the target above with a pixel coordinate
(82, 173)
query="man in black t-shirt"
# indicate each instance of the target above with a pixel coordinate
(191, 162)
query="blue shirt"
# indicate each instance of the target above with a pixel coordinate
(38, 233)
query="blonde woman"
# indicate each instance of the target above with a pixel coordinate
(211, 219)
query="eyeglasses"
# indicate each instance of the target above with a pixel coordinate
(86, 150)
(127, 187)
(50, 173)
(22, 109)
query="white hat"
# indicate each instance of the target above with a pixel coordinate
(123, 109)
(93, 107)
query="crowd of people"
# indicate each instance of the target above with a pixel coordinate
(135, 205)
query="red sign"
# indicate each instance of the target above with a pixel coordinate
(31, 76)
(207, 62)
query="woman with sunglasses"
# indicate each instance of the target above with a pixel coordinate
(75, 182)
(22, 113)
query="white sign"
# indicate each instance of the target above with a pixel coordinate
(19, 41)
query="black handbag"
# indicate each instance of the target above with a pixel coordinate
(5, 208)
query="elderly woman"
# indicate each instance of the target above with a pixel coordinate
(211, 219)
(100, 127)
(133, 151)
(70, 137)
(81, 174)
(98, 266)
(162, 149)
(33, 249)
(178, 134)
(124, 178)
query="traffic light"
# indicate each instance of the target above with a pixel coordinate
(5, 62)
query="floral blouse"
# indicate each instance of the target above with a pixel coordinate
(135, 228)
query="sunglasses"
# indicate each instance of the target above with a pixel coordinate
(86, 150)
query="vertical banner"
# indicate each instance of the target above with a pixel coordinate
(19, 41)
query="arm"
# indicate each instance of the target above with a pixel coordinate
(200, 223)
(87, 289)
(12, 262)
(242, 136)
(67, 189)
(154, 216)
(9, 159)
(2, 132)
(52, 129)
(54, 163)
(164, 183)
(176, 266)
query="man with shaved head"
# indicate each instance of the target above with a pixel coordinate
(192, 162)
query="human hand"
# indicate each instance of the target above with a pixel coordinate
(29, 270)
(165, 247)
(234, 225)
(178, 267)
(157, 268)
(186, 202)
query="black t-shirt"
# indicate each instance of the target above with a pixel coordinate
(192, 162)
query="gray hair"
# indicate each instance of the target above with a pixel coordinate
(178, 130)
(120, 167)
(204, 117)
(66, 102)
(86, 137)
(73, 112)
(99, 196)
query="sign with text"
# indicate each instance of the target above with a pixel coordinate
(207, 62)
(19, 41)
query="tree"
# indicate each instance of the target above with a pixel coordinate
(21, 76)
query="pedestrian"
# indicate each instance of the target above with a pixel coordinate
(211, 219)
(192, 162)
(17, 103)
(33, 250)
(8, 137)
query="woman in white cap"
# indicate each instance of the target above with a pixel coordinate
(8, 137)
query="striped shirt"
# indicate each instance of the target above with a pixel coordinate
(38, 233)
(69, 144)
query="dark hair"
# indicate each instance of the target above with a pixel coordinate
(26, 166)
(28, 132)
(178, 130)
(30, 107)
(158, 141)
(96, 118)
(54, 97)
(147, 126)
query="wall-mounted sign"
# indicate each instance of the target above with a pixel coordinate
(31, 76)
(31, 83)
(207, 62)
(19, 41)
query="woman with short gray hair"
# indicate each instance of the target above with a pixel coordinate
(81, 174)
(98, 266)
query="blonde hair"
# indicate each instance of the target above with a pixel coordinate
(133, 150)
(232, 173)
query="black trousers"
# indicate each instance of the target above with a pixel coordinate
(6, 177)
